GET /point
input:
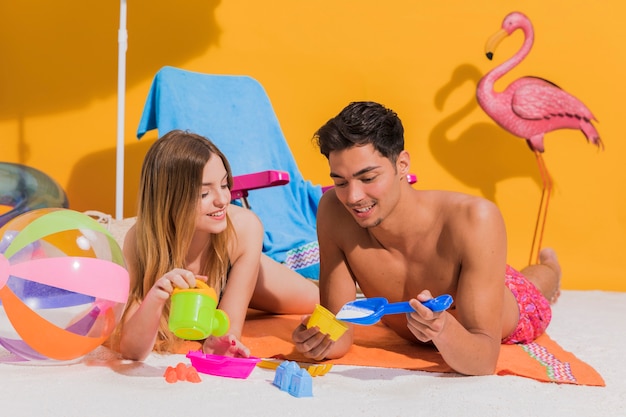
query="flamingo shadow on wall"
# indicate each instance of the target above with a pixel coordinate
(484, 154)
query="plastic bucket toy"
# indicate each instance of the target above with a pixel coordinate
(194, 314)
(327, 323)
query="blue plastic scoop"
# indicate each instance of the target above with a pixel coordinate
(369, 310)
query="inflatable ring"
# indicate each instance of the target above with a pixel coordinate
(24, 188)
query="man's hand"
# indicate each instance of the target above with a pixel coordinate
(425, 324)
(311, 342)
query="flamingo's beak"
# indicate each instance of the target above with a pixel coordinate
(493, 42)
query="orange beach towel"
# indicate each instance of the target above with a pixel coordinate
(543, 360)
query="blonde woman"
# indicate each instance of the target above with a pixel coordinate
(187, 228)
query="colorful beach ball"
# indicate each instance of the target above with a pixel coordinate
(63, 285)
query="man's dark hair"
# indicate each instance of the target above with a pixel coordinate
(361, 123)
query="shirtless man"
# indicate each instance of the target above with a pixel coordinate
(397, 242)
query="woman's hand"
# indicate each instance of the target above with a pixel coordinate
(176, 278)
(227, 345)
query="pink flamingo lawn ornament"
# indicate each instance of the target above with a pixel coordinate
(530, 107)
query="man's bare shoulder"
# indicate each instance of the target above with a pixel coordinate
(467, 212)
(460, 203)
(332, 216)
(329, 206)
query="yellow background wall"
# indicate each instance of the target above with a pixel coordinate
(58, 99)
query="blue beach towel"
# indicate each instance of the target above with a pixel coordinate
(236, 114)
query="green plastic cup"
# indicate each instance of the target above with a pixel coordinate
(194, 314)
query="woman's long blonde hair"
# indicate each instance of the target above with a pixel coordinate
(169, 192)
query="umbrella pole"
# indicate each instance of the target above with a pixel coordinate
(122, 40)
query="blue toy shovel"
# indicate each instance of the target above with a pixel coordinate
(368, 311)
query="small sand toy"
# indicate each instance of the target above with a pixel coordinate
(326, 322)
(368, 311)
(222, 365)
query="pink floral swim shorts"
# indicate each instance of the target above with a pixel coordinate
(535, 312)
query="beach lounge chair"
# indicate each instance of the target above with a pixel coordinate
(236, 114)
